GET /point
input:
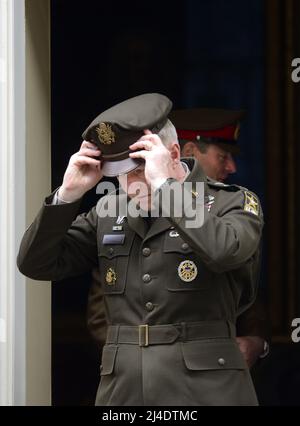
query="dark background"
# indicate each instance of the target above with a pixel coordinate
(200, 53)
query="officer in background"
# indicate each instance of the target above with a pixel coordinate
(210, 136)
(172, 291)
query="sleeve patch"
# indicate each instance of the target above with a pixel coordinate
(251, 204)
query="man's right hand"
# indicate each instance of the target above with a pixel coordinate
(83, 172)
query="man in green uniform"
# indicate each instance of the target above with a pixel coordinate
(173, 286)
(210, 136)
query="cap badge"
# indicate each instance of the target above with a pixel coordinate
(251, 203)
(111, 276)
(105, 134)
(187, 271)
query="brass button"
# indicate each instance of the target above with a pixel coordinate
(110, 250)
(146, 251)
(221, 361)
(185, 246)
(149, 306)
(146, 278)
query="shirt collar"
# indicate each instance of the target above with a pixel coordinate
(186, 169)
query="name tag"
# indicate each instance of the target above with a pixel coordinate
(109, 239)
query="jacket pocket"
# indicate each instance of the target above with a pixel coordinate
(113, 265)
(186, 272)
(108, 359)
(213, 354)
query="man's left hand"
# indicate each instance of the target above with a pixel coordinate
(251, 347)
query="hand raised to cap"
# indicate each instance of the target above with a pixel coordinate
(158, 159)
(83, 172)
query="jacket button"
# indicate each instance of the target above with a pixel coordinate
(185, 246)
(110, 250)
(149, 306)
(221, 361)
(146, 251)
(146, 278)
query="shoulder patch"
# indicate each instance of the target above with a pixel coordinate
(251, 203)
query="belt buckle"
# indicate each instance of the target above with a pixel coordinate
(143, 335)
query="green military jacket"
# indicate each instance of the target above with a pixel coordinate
(172, 293)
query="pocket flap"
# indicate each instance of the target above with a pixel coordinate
(213, 354)
(108, 359)
(176, 245)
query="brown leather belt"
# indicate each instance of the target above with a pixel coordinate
(145, 335)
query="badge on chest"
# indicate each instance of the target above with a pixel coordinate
(187, 271)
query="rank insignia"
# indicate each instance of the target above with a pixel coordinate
(120, 220)
(251, 203)
(187, 271)
(105, 134)
(111, 277)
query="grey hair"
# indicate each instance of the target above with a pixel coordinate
(168, 133)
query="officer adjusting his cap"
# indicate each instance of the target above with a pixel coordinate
(172, 291)
(210, 135)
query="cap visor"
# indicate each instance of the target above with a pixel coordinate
(116, 168)
(233, 149)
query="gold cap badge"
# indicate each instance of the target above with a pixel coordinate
(187, 270)
(111, 276)
(105, 134)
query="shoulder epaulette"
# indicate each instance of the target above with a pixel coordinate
(220, 185)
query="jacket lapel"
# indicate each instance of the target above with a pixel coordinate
(161, 224)
(138, 225)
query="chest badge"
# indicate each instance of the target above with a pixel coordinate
(111, 276)
(209, 201)
(187, 271)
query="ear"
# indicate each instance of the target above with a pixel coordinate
(188, 149)
(175, 151)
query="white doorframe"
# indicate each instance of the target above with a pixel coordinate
(12, 181)
(25, 308)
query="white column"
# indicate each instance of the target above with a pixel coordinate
(12, 205)
(25, 307)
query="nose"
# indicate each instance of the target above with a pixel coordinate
(230, 164)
